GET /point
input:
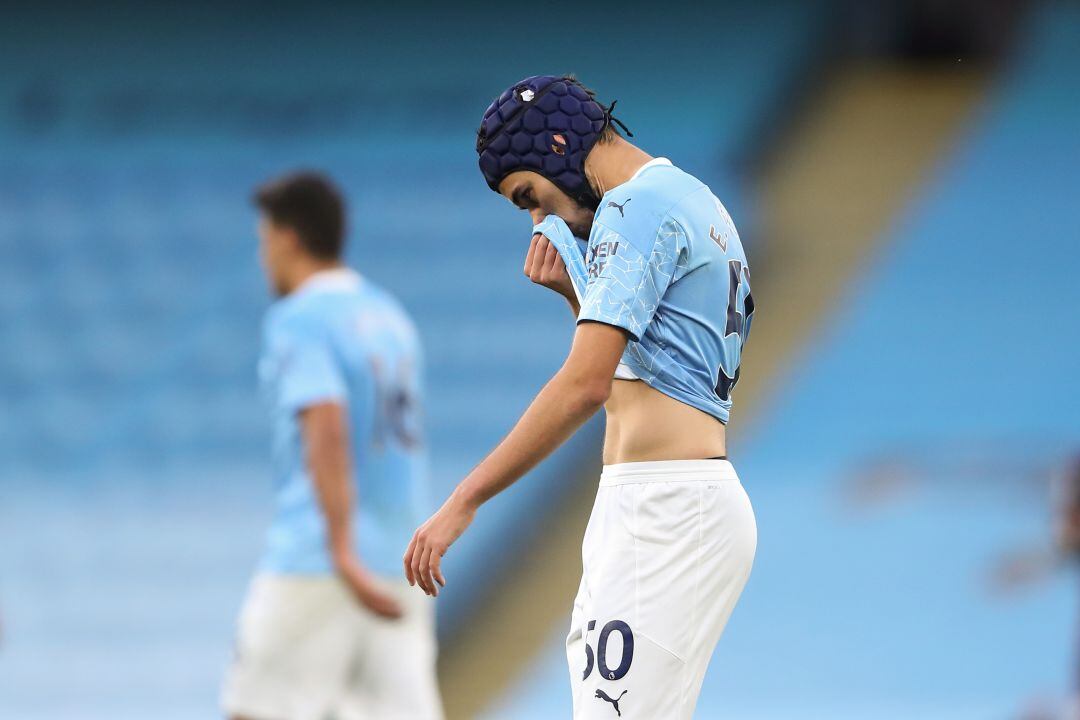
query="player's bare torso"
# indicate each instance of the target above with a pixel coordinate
(643, 424)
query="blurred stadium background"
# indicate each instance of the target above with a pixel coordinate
(905, 175)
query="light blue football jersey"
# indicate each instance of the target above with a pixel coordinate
(665, 264)
(340, 338)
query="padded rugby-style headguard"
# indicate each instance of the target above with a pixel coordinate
(546, 124)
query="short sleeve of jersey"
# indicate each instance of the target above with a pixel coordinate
(628, 279)
(307, 371)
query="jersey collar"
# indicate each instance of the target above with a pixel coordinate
(337, 279)
(655, 162)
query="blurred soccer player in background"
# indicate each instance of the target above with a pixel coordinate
(663, 307)
(1068, 543)
(324, 630)
(1020, 569)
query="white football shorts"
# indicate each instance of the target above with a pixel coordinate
(667, 551)
(306, 650)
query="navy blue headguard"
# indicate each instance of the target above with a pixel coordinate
(546, 124)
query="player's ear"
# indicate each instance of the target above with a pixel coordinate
(291, 242)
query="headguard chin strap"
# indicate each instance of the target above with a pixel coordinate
(546, 124)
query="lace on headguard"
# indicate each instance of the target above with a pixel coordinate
(546, 124)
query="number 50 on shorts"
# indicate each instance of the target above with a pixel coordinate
(600, 658)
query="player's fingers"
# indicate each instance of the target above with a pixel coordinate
(436, 568)
(550, 257)
(414, 564)
(429, 573)
(532, 251)
(557, 269)
(422, 570)
(407, 560)
(539, 258)
(418, 555)
(560, 267)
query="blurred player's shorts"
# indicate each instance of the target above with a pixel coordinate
(307, 650)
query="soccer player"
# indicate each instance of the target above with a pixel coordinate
(324, 631)
(663, 307)
(1067, 535)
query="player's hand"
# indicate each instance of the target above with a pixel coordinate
(429, 543)
(366, 588)
(544, 266)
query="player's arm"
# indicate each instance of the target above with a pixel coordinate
(325, 431)
(544, 266)
(326, 451)
(571, 397)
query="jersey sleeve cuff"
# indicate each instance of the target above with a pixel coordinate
(303, 401)
(583, 318)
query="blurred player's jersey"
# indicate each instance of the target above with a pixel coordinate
(339, 338)
(666, 265)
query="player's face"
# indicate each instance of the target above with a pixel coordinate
(540, 197)
(274, 244)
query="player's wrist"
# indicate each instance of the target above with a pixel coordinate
(467, 495)
(344, 558)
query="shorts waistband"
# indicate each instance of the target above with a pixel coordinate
(667, 471)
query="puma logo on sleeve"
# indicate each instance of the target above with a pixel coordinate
(612, 203)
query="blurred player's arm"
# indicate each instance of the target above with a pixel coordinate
(1068, 533)
(1067, 490)
(571, 397)
(544, 266)
(326, 450)
(1022, 568)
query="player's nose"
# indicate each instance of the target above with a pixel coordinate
(537, 215)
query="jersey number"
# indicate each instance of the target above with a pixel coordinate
(396, 407)
(740, 311)
(601, 658)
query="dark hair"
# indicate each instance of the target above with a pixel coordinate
(308, 203)
(608, 135)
